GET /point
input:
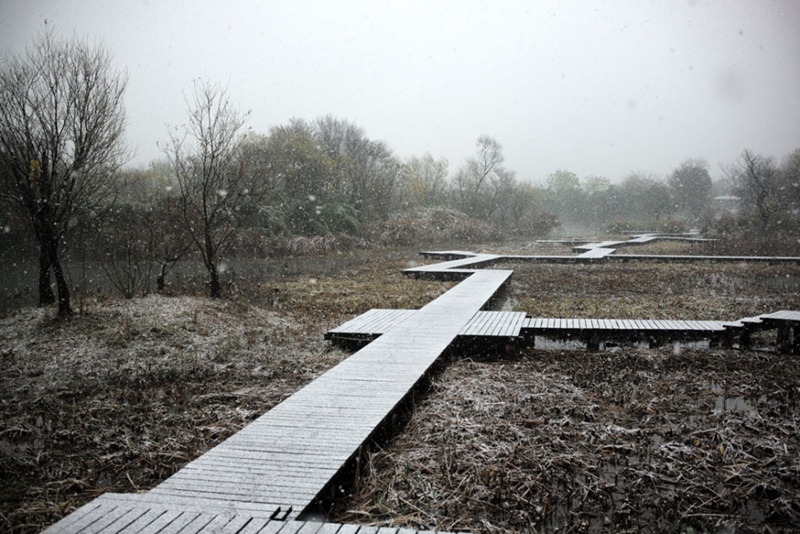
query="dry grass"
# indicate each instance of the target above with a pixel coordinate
(702, 291)
(629, 440)
(122, 396)
(578, 442)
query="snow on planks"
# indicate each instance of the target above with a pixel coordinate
(287, 460)
(375, 322)
(124, 514)
(263, 478)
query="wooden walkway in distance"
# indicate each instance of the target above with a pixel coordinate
(606, 251)
(284, 466)
(516, 326)
(281, 469)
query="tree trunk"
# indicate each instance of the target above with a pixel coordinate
(50, 245)
(46, 295)
(215, 289)
(210, 252)
(64, 308)
(162, 274)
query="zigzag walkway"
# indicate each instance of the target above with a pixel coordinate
(280, 468)
(276, 473)
(606, 251)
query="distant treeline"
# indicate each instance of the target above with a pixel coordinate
(324, 186)
(302, 188)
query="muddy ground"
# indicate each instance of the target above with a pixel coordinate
(121, 396)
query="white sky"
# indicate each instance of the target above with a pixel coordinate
(598, 87)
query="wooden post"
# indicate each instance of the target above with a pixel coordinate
(745, 341)
(592, 341)
(727, 339)
(782, 343)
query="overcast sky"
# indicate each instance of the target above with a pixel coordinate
(595, 87)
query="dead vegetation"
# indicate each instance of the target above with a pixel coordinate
(626, 440)
(121, 396)
(634, 290)
(595, 442)
(118, 398)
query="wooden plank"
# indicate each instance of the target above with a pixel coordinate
(234, 525)
(150, 516)
(482, 324)
(115, 519)
(287, 456)
(509, 319)
(207, 523)
(784, 315)
(494, 323)
(515, 327)
(498, 324)
(84, 515)
(181, 522)
(273, 527)
(158, 525)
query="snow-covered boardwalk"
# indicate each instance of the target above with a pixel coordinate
(277, 473)
(283, 466)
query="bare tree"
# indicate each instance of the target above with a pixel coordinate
(62, 122)
(758, 182)
(481, 181)
(127, 244)
(217, 196)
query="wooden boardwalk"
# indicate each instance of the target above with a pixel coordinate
(285, 464)
(375, 322)
(283, 468)
(125, 514)
(514, 326)
(607, 251)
